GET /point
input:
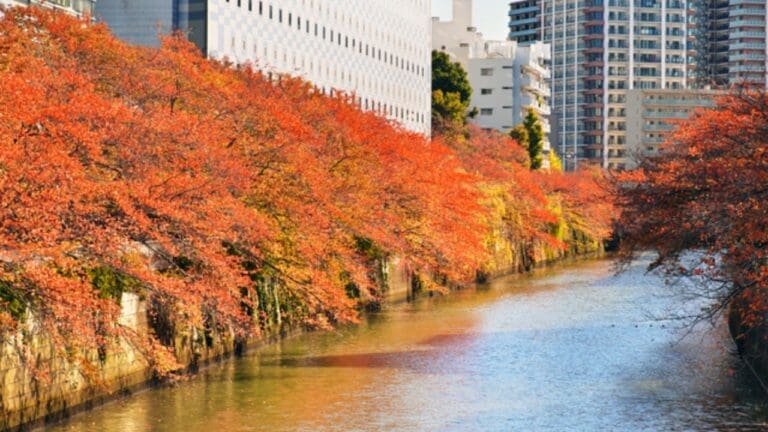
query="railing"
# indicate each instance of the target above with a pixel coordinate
(670, 115)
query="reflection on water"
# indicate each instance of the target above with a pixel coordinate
(570, 349)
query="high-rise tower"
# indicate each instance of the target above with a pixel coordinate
(601, 49)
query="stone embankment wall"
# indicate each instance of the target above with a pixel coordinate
(38, 384)
(517, 258)
(750, 334)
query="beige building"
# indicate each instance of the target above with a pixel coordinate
(653, 114)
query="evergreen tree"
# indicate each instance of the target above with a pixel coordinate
(535, 131)
(451, 92)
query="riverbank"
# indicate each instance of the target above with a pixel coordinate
(200, 206)
(30, 401)
(750, 334)
(570, 347)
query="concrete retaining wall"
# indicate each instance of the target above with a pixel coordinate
(751, 337)
(27, 401)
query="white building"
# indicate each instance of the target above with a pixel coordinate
(458, 36)
(380, 50)
(75, 7)
(507, 79)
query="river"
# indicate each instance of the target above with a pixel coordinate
(568, 349)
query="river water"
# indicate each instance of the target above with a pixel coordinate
(569, 349)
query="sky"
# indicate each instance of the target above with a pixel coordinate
(490, 16)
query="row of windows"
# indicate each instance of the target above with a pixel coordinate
(368, 104)
(333, 37)
(322, 71)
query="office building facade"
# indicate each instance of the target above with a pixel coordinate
(75, 7)
(602, 50)
(380, 50)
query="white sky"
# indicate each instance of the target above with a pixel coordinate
(490, 16)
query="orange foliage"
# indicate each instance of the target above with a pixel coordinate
(195, 178)
(705, 193)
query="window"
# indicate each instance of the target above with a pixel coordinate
(486, 111)
(486, 72)
(486, 91)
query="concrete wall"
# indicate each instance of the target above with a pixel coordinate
(27, 401)
(399, 288)
(749, 329)
(457, 37)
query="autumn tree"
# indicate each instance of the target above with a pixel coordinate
(700, 204)
(231, 202)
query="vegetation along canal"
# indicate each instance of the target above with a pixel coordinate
(572, 348)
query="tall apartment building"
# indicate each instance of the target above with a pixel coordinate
(602, 49)
(507, 78)
(75, 7)
(380, 50)
(524, 23)
(747, 38)
(730, 41)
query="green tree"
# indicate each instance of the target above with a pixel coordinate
(530, 135)
(535, 130)
(451, 91)
(447, 107)
(520, 134)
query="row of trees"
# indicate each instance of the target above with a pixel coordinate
(198, 183)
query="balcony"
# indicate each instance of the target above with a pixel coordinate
(747, 12)
(748, 45)
(536, 69)
(535, 86)
(541, 110)
(666, 115)
(658, 127)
